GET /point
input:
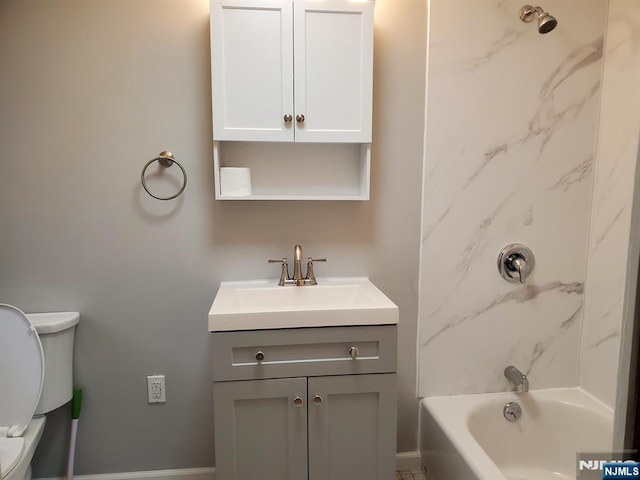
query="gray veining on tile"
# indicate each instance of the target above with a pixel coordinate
(575, 175)
(528, 220)
(542, 346)
(506, 40)
(600, 341)
(521, 295)
(608, 227)
(581, 57)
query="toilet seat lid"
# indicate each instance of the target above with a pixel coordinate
(10, 453)
(21, 370)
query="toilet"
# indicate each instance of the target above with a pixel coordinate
(36, 377)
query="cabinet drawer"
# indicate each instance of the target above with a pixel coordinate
(307, 352)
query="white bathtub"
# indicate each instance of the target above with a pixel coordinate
(466, 437)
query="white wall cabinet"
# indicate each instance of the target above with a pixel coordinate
(293, 71)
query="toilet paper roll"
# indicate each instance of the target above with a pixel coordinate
(235, 181)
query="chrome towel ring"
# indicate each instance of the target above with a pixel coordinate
(165, 159)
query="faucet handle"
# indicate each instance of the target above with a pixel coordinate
(516, 262)
(519, 264)
(310, 273)
(283, 261)
(284, 273)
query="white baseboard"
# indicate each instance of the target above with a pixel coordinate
(205, 473)
(404, 461)
(408, 461)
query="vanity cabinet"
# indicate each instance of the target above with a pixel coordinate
(308, 403)
(292, 70)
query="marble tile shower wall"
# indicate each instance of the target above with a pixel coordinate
(612, 200)
(510, 146)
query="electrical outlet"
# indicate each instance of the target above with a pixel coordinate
(156, 390)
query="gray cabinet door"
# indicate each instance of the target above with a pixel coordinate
(261, 429)
(352, 427)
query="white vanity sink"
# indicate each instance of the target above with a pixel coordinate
(262, 304)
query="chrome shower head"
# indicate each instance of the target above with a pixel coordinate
(546, 22)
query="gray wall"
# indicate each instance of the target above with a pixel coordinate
(90, 90)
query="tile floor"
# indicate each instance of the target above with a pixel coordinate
(411, 475)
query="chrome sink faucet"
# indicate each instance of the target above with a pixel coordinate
(297, 265)
(297, 279)
(516, 377)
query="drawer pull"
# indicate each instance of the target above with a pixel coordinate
(298, 401)
(317, 399)
(259, 355)
(354, 352)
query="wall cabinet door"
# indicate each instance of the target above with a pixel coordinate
(261, 429)
(257, 96)
(352, 427)
(333, 71)
(252, 69)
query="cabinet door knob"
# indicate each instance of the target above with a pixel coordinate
(300, 118)
(354, 352)
(288, 118)
(259, 355)
(317, 399)
(298, 401)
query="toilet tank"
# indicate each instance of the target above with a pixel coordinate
(57, 332)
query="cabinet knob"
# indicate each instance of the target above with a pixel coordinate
(317, 399)
(288, 118)
(354, 352)
(298, 401)
(259, 355)
(300, 118)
